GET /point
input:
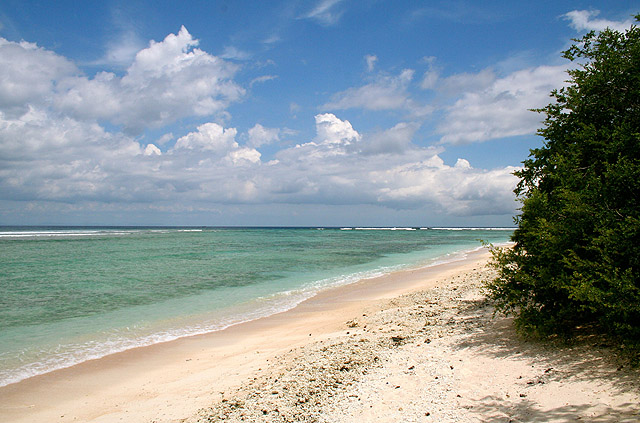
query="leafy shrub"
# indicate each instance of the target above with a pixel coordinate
(576, 254)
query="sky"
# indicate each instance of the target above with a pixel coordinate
(278, 113)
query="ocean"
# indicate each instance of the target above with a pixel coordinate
(71, 294)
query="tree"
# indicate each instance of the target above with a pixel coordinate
(576, 254)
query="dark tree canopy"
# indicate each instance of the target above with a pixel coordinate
(576, 256)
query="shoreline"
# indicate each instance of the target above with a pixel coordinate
(264, 307)
(136, 368)
(404, 346)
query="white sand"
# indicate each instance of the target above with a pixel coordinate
(416, 346)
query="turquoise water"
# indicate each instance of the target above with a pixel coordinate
(72, 294)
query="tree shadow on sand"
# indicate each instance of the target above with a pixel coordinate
(495, 410)
(586, 358)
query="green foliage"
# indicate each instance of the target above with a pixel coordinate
(576, 256)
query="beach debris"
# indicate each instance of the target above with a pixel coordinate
(352, 323)
(315, 382)
(397, 340)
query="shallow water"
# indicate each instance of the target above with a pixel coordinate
(73, 294)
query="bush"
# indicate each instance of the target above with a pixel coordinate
(576, 253)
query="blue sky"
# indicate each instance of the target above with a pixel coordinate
(323, 112)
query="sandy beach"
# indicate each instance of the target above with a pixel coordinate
(413, 346)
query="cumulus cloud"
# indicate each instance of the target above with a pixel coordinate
(331, 130)
(45, 159)
(334, 138)
(210, 137)
(501, 109)
(394, 140)
(48, 158)
(212, 144)
(385, 168)
(56, 148)
(259, 135)
(151, 149)
(585, 20)
(167, 81)
(459, 190)
(28, 75)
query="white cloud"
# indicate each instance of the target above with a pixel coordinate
(294, 108)
(234, 53)
(399, 175)
(331, 130)
(45, 159)
(386, 93)
(151, 149)
(394, 140)
(429, 79)
(167, 81)
(585, 20)
(334, 138)
(259, 135)
(466, 82)
(325, 13)
(210, 137)
(214, 145)
(503, 108)
(261, 79)
(458, 190)
(275, 38)
(462, 164)
(431, 76)
(244, 154)
(28, 75)
(455, 84)
(122, 50)
(55, 149)
(371, 60)
(165, 138)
